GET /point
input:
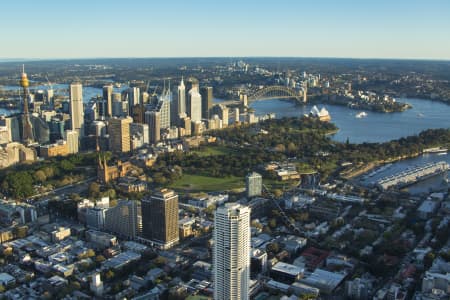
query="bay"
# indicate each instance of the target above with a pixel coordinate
(376, 127)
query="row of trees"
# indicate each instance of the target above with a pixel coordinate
(19, 181)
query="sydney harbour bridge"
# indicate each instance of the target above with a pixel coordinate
(269, 93)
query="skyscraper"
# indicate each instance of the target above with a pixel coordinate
(106, 109)
(76, 108)
(164, 108)
(253, 184)
(27, 132)
(122, 219)
(222, 111)
(207, 100)
(134, 97)
(119, 134)
(231, 258)
(153, 119)
(181, 107)
(72, 140)
(160, 218)
(195, 104)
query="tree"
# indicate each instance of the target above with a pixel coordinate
(94, 190)
(277, 193)
(40, 176)
(8, 252)
(280, 148)
(90, 253)
(210, 210)
(111, 193)
(48, 171)
(67, 165)
(100, 258)
(160, 261)
(273, 223)
(273, 247)
(18, 184)
(109, 274)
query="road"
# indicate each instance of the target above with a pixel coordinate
(75, 188)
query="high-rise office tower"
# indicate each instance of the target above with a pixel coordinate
(153, 120)
(27, 132)
(160, 218)
(305, 92)
(134, 97)
(253, 184)
(222, 111)
(195, 104)
(13, 125)
(207, 100)
(231, 258)
(76, 108)
(141, 131)
(185, 125)
(164, 108)
(72, 139)
(107, 101)
(49, 93)
(181, 99)
(122, 219)
(119, 134)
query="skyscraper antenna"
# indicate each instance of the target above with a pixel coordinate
(23, 68)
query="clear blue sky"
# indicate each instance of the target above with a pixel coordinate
(175, 28)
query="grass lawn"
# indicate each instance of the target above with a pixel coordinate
(212, 150)
(278, 184)
(197, 183)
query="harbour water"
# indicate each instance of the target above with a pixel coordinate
(379, 127)
(375, 127)
(63, 89)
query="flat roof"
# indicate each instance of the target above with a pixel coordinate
(427, 206)
(324, 279)
(287, 268)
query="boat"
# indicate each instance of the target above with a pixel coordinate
(420, 115)
(360, 115)
(436, 150)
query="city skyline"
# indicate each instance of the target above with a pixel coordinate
(404, 29)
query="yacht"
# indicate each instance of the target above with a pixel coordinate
(360, 115)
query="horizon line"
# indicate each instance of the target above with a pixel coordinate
(35, 59)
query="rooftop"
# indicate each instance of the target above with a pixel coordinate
(287, 268)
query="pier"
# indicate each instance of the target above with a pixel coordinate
(412, 176)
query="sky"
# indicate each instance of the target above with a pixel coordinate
(407, 29)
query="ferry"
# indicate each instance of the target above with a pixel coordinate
(437, 150)
(360, 115)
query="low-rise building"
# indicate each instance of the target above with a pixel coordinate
(60, 148)
(101, 239)
(286, 273)
(325, 281)
(6, 279)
